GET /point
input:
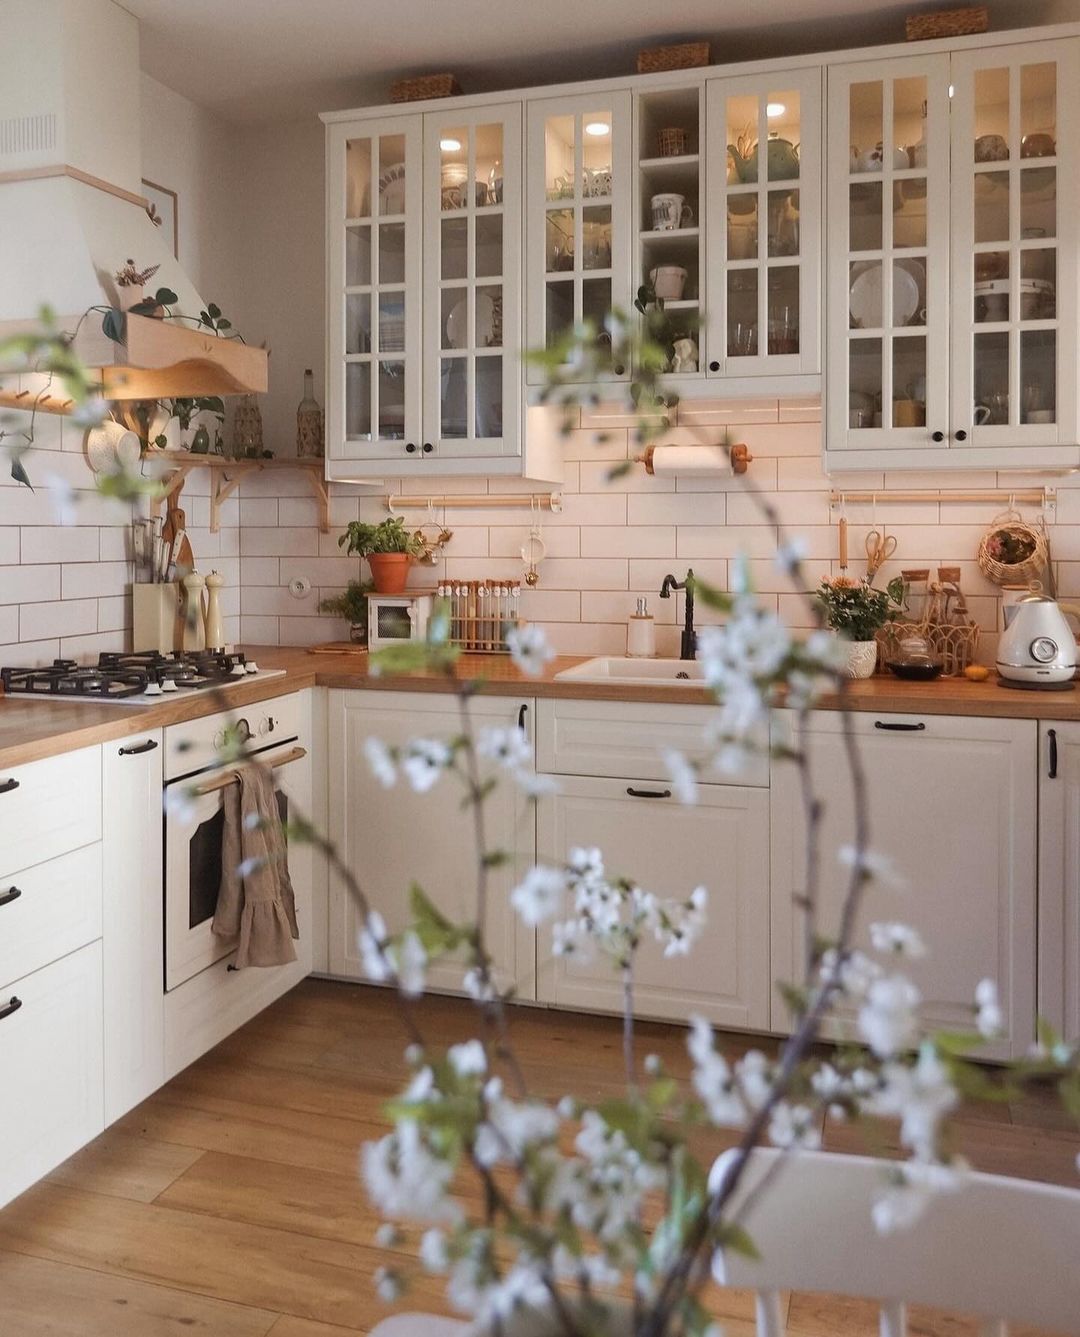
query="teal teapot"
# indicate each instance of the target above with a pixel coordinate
(783, 161)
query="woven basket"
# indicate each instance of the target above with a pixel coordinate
(955, 646)
(671, 143)
(684, 56)
(947, 23)
(1020, 573)
(424, 86)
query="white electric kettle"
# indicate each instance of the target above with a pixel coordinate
(1038, 647)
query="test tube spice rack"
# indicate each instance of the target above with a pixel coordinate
(481, 612)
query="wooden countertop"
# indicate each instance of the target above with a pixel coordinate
(32, 729)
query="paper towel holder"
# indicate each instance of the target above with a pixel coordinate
(739, 455)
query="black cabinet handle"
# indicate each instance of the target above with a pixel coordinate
(138, 749)
(230, 968)
(647, 793)
(8, 785)
(1052, 735)
(620, 370)
(428, 447)
(900, 728)
(937, 436)
(411, 448)
(961, 435)
(11, 1007)
(714, 366)
(12, 894)
(521, 716)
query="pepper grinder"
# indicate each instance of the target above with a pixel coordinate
(641, 632)
(194, 630)
(215, 626)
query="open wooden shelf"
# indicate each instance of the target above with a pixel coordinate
(226, 475)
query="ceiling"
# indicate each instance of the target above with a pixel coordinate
(262, 60)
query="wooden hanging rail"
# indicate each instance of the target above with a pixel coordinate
(547, 501)
(30, 400)
(226, 475)
(1032, 496)
(229, 776)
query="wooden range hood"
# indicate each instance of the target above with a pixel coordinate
(163, 359)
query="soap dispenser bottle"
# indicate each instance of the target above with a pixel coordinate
(641, 632)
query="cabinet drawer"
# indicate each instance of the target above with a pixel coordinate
(50, 1068)
(49, 910)
(626, 740)
(48, 808)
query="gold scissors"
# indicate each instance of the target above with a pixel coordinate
(879, 548)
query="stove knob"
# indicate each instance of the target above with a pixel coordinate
(219, 740)
(1043, 649)
(243, 729)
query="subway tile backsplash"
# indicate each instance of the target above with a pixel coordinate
(64, 589)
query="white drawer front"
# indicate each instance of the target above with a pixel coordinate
(49, 807)
(49, 910)
(50, 1068)
(626, 740)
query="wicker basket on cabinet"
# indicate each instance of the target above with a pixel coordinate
(947, 23)
(423, 86)
(683, 56)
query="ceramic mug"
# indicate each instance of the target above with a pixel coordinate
(1040, 415)
(670, 211)
(995, 412)
(908, 413)
(668, 281)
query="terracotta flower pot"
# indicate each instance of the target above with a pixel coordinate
(389, 571)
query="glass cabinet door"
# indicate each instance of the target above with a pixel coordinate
(578, 201)
(373, 392)
(1014, 239)
(764, 265)
(472, 283)
(888, 230)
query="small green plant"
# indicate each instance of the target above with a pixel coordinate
(855, 609)
(214, 320)
(350, 604)
(185, 410)
(362, 540)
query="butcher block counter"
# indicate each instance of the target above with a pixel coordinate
(31, 729)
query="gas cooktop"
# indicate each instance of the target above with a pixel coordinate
(142, 678)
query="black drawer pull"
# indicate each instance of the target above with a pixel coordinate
(230, 968)
(647, 793)
(1052, 735)
(900, 728)
(11, 1008)
(521, 716)
(12, 894)
(8, 785)
(138, 749)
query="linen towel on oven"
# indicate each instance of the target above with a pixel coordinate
(255, 902)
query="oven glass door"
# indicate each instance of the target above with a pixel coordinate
(193, 838)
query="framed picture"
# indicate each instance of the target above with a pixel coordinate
(166, 207)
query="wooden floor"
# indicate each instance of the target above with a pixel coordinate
(228, 1205)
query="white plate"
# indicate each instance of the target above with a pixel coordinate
(866, 298)
(392, 190)
(457, 322)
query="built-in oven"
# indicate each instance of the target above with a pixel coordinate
(195, 784)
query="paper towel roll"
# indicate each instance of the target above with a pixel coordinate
(695, 461)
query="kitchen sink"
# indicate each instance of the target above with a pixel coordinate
(651, 672)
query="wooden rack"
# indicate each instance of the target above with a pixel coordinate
(1035, 496)
(229, 777)
(547, 501)
(226, 475)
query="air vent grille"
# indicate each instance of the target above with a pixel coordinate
(27, 134)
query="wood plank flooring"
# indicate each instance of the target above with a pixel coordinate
(228, 1204)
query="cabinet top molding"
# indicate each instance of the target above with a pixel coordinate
(686, 78)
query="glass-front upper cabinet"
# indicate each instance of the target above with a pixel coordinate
(763, 225)
(578, 198)
(1015, 236)
(888, 248)
(373, 266)
(472, 283)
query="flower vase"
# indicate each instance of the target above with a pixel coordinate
(861, 658)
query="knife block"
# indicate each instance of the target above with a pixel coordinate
(155, 617)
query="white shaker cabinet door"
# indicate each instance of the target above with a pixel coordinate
(1059, 876)
(952, 806)
(133, 933)
(721, 843)
(392, 838)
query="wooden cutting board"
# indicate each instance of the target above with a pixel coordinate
(337, 648)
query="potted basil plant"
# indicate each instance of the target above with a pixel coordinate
(389, 548)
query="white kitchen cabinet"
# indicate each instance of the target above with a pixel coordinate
(1059, 876)
(49, 807)
(645, 834)
(51, 1061)
(391, 838)
(951, 312)
(952, 804)
(133, 934)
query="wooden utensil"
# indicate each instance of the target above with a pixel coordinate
(176, 529)
(842, 527)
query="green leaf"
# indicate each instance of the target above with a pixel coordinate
(19, 473)
(112, 324)
(166, 297)
(496, 859)
(214, 310)
(711, 597)
(224, 324)
(738, 1241)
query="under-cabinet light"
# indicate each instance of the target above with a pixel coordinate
(774, 109)
(449, 145)
(597, 128)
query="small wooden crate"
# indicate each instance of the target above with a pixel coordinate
(424, 86)
(947, 23)
(683, 56)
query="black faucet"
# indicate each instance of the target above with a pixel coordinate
(688, 645)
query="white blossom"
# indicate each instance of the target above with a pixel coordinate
(586, 862)
(512, 1126)
(794, 1127)
(920, 1095)
(989, 1018)
(539, 895)
(754, 1073)
(855, 973)
(533, 785)
(529, 648)
(388, 1285)
(713, 1080)
(424, 761)
(468, 1059)
(914, 1184)
(62, 497)
(434, 1256)
(387, 1235)
(178, 801)
(887, 1018)
(478, 985)
(510, 747)
(373, 943)
(381, 760)
(410, 960)
(896, 940)
(406, 1179)
(682, 775)
(874, 867)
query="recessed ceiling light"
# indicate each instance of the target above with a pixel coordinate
(774, 109)
(449, 145)
(597, 128)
